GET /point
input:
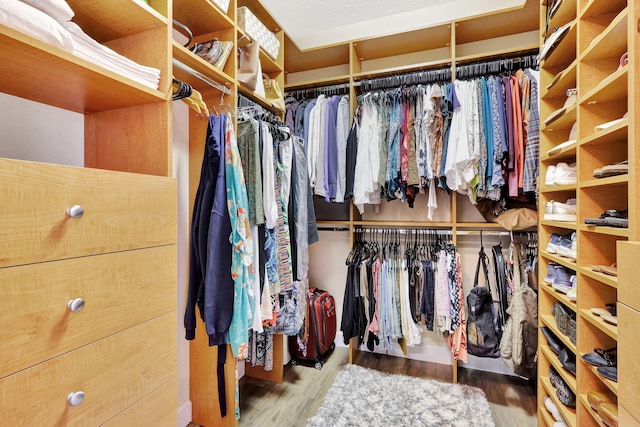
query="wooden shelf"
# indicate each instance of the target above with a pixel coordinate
(558, 295)
(258, 99)
(120, 18)
(192, 60)
(568, 152)
(569, 414)
(612, 89)
(68, 82)
(555, 362)
(565, 52)
(296, 61)
(497, 54)
(546, 416)
(610, 231)
(404, 43)
(566, 13)
(612, 42)
(600, 277)
(612, 385)
(402, 69)
(564, 121)
(566, 81)
(201, 17)
(318, 82)
(567, 262)
(609, 181)
(558, 188)
(611, 330)
(607, 136)
(599, 8)
(412, 224)
(585, 402)
(479, 225)
(550, 322)
(559, 224)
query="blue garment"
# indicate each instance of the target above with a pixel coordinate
(305, 132)
(488, 129)
(210, 281)
(447, 114)
(331, 150)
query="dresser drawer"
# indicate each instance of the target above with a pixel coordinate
(113, 373)
(121, 211)
(628, 351)
(159, 409)
(119, 290)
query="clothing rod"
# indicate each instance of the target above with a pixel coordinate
(483, 233)
(332, 228)
(225, 90)
(406, 230)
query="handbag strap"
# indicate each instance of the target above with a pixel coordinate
(482, 259)
(185, 31)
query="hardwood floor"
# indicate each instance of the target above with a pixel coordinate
(290, 404)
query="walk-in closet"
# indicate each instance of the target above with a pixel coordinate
(222, 213)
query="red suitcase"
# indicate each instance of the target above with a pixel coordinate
(322, 329)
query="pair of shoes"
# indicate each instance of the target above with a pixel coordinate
(554, 343)
(553, 409)
(565, 212)
(597, 398)
(561, 174)
(611, 270)
(563, 245)
(568, 360)
(611, 218)
(620, 168)
(601, 357)
(609, 372)
(561, 278)
(573, 137)
(609, 314)
(609, 414)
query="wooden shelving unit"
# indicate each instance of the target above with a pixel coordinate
(475, 39)
(602, 31)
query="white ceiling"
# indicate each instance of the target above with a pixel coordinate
(314, 23)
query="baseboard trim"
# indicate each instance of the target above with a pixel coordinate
(185, 414)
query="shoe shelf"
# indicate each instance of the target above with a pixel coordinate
(557, 188)
(565, 13)
(612, 42)
(546, 416)
(617, 132)
(559, 224)
(567, 262)
(549, 321)
(198, 64)
(612, 88)
(565, 52)
(599, 8)
(567, 80)
(567, 154)
(598, 322)
(558, 295)
(563, 121)
(585, 402)
(601, 229)
(555, 362)
(201, 17)
(600, 277)
(610, 181)
(569, 414)
(611, 385)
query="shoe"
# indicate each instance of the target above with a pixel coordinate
(620, 221)
(609, 214)
(610, 319)
(573, 137)
(609, 414)
(554, 242)
(554, 377)
(565, 174)
(563, 276)
(553, 342)
(568, 246)
(549, 176)
(609, 372)
(620, 168)
(564, 212)
(551, 273)
(568, 360)
(601, 357)
(573, 293)
(596, 398)
(552, 408)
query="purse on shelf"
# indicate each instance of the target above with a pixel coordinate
(272, 92)
(248, 64)
(181, 33)
(214, 51)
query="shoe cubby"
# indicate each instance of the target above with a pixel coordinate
(605, 30)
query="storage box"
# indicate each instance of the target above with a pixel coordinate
(222, 4)
(255, 29)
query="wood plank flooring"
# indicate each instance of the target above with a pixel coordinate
(290, 404)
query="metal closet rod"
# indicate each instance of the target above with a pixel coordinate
(315, 91)
(184, 67)
(496, 66)
(407, 79)
(434, 231)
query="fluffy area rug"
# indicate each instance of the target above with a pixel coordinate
(365, 397)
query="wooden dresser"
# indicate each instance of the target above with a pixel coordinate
(88, 254)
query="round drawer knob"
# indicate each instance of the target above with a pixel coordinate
(75, 398)
(76, 304)
(75, 211)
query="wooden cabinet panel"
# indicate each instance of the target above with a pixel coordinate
(121, 211)
(113, 373)
(119, 290)
(628, 262)
(628, 351)
(157, 409)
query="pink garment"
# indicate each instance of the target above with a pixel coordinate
(375, 271)
(457, 341)
(515, 175)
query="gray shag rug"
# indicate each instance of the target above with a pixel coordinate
(365, 397)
